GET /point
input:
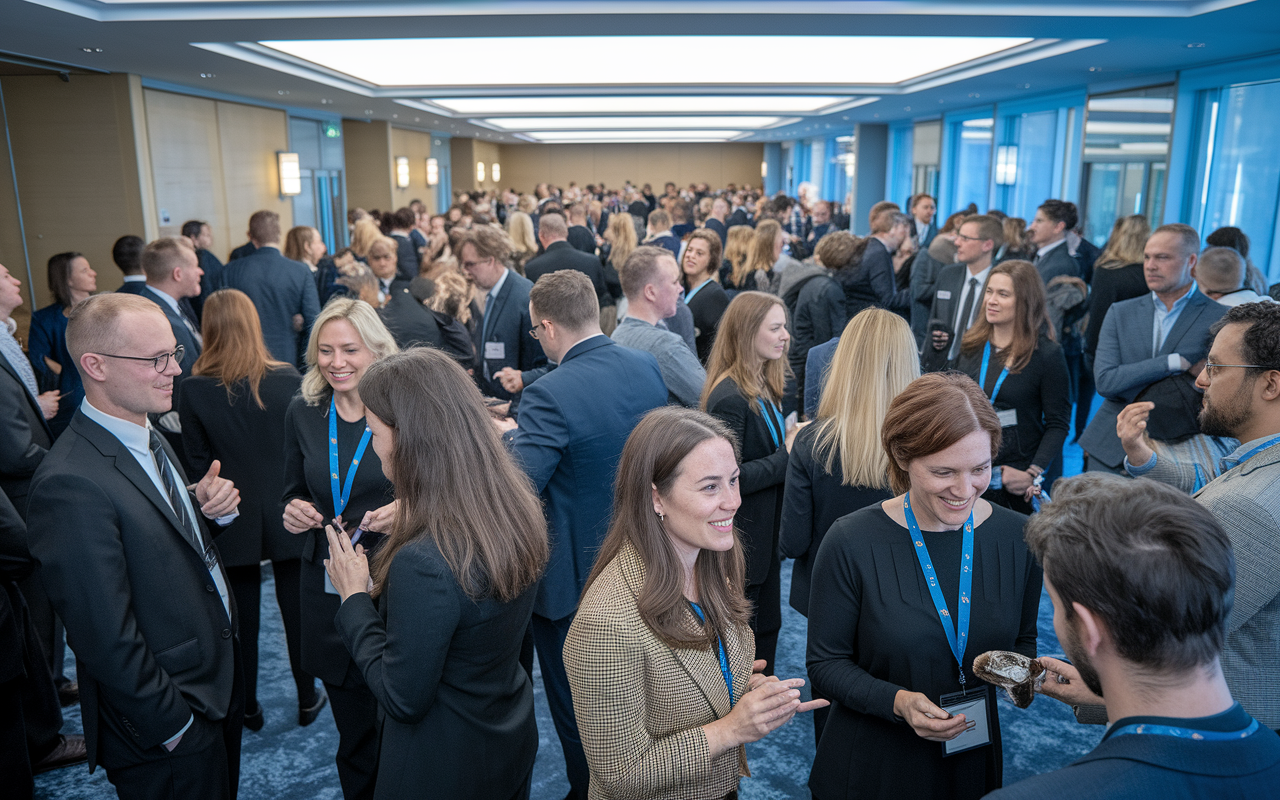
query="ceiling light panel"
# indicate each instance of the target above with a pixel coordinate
(668, 60)
(679, 104)
(630, 123)
(634, 136)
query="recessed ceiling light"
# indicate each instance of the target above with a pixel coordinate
(629, 123)
(368, 112)
(324, 101)
(282, 91)
(634, 136)
(207, 75)
(679, 104)
(1196, 44)
(99, 49)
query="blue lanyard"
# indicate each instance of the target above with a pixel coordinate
(774, 428)
(340, 498)
(695, 290)
(1188, 733)
(956, 636)
(1272, 442)
(982, 376)
(724, 659)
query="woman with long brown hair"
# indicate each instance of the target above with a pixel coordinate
(232, 410)
(454, 584)
(1011, 351)
(756, 271)
(662, 613)
(746, 376)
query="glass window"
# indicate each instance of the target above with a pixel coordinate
(926, 155)
(971, 144)
(1035, 137)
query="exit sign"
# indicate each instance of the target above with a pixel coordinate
(332, 131)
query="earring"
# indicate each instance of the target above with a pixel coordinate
(661, 517)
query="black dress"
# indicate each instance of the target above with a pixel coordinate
(878, 632)
(708, 306)
(1110, 286)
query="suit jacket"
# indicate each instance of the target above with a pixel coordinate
(1123, 365)
(507, 322)
(573, 423)
(447, 675)
(246, 249)
(740, 217)
(873, 282)
(136, 287)
(409, 321)
(406, 258)
(581, 238)
(212, 269)
(279, 288)
(152, 639)
(645, 741)
(25, 436)
(947, 297)
(47, 338)
(720, 229)
(191, 347)
(600, 227)
(1058, 261)
(562, 255)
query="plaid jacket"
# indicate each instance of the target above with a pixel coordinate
(641, 704)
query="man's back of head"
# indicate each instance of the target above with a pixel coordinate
(552, 228)
(659, 221)
(567, 299)
(1219, 271)
(127, 253)
(642, 268)
(578, 214)
(264, 228)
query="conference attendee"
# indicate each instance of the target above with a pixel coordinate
(1012, 353)
(1177, 728)
(129, 563)
(1016, 246)
(820, 224)
(717, 220)
(664, 614)
(326, 434)
(651, 284)
(200, 235)
(1220, 273)
(1238, 240)
(504, 331)
(903, 614)
(282, 290)
(704, 295)
(573, 423)
(1117, 275)
(173, 274)
(304, 243)
(816, 300)
(1048, 232)
(742, 213)
(524, 245)
(923, 208)
(435, 620)
(580, 236)
(925, 267)
(619, 240)
(874, 283)
(1148, 338)
(681, 224)
(559, 254)
(746, 378)
(1241, 385)
(658, 232)
(958, 293)
(410, 319)
(232, 409)
(401, 222)
(597, 218)
(127, 255)
(71, 280)
(755, 270)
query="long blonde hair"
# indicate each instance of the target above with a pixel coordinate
(621, 234)
(1126, 243)
(368, 325)
(873, 363)
(736, 248)
(363, 235)
(760, 256)
(520, 229)
(733, 355)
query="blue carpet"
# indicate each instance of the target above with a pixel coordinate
(285, 762)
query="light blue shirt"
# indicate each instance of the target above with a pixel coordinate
(1165, 319)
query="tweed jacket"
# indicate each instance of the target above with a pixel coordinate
(641, 704)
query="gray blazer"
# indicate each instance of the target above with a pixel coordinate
(1124, 366)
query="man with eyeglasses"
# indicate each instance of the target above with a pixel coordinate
(957, 297)
(129, 563)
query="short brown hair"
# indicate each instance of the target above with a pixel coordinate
(989, 228)
(489, 242)
(567, 298)
(297, 240)
(161, 257)
(1190, 239)
(552, 224)
(659, 220)
(836, 249)
(93, 324)
(641, 268)
(880, 208)
(934, 412)
(887, 220)
(264, 226)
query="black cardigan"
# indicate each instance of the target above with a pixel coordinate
(708, 307)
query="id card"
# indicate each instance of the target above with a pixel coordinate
(1008, 417)
(973, 704)
(496, 351)
(943, 294)
(329, 588)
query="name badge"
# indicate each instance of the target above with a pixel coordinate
(973, 704)
(496, 351)
(329, 588)
(943, 294)
(1008, 417)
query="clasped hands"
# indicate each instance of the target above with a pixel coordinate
(301, 516)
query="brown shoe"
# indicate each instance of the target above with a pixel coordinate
(70, 750)
(68, 693)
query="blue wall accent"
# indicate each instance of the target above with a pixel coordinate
(773, 163)
(871, 147)
(440, 151)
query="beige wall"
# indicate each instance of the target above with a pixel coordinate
(10, 231)
(463, 162)
(488, 153)
(416, 146)
(370, 169)
(526, 165)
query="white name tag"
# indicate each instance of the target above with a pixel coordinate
(978, 730)
(943, 294)
(329, 588)
(495, 350)
(1008, 417)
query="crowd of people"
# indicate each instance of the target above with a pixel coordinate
(587, 425)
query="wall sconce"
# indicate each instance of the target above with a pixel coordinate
(764, 169)
(479, 172)
(1007, 165)
(290, 174)
(402, 172)
(433, 172)
(496, 171)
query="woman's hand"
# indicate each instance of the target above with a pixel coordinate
(791, 434)
(348, 568)
(1063, 682)
(379, 520)
(301, 516)
(49, 403)
(768, 705)
(928, 721)
(1016, 481)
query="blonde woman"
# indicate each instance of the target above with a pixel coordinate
(364, 234)
(756, 271)
(525, 246)
(736, 249)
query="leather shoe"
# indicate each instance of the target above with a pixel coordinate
(307, 715)
(68, 693)
(70, 750)
(255, 720)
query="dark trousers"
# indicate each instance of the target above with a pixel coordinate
(1080, 374)
(548, 639)
(46, 626)
(30, 717)
(204, 766)
(246, 585)
(766, 614)
(355, 710)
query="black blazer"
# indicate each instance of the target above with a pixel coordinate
(249, 441)
(191, 347)
(873, 282)
(947, 293)
(406, 258)
(212, 269)
(763, 470)
(447, 675)
(508, 323)
(1110, 286)
(279, 288)
(812, 500)
(19, 646)
(136, 287)
(739, 217)
(581, 238)
(409, 322)
(246, 249)
(152, 639)
(719, 228)
(707, 307)
(25, 437)
(562, 255)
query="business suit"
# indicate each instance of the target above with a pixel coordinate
(406, 257)
(574, 422)
(948, 299)
(136, 287)
(873, 283)
(447, 675)
(506, 322)
(581, 238)
(562, 255)
(645, 741)
(740, 217)
(1057, 261)
(155, 646)
(719, 229)
(181, 333)
(279, 288)
(212, 269)
(763, 471)
(602, 225)
(1123, 364)
(246, 249)
(47, 338)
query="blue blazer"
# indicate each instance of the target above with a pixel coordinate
(47, 336)
(573, 423)
(507, 322)
(1123, 365)
(279, 288)
(181, 333)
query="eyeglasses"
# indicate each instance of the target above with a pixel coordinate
(1210, 367)
(970, 238)
(161, 362)
(534, 330)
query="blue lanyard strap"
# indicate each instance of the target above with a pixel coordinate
(724, 658)
(775, 427)
(1188, 733)
(695, 290)
(982, 376)
(958, 635)
(1272, 442)
(340, 498)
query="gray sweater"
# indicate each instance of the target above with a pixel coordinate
(681, 372)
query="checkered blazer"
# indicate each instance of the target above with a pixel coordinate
(641, 704)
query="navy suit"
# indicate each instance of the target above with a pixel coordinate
(279, 288)
(25, 436)
(183, 334)
(212, 269)
(573, 423)
(246, 249)
(563, 255)
(136, 287)
(1057, 261)
(507, 322)
(720, 229)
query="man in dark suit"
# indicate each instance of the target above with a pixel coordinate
(283, 291)
(580, 236)
(553, 234)
(573, 423)
(1148, 338)
(173, 274)
(403, 222)
(127, 253)
(717, 220)
(201, 237)
(502, 334)
(1048, 232)
(123, 551)
(923, 225)
(597, 218)
(741, 213)
(958, 296)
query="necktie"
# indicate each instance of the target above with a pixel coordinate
(962, 321)
(175, 493)
(191, 326)
(18, 360)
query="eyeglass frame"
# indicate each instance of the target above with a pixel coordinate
(534, 330)
(1209, 367)
(176, 355)
(960, 235)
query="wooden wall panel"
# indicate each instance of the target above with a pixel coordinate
(370, 170)
(416, 146)
(186, 165)
(526, 165)
(250, 138)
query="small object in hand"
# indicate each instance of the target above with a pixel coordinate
(1013, 672)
